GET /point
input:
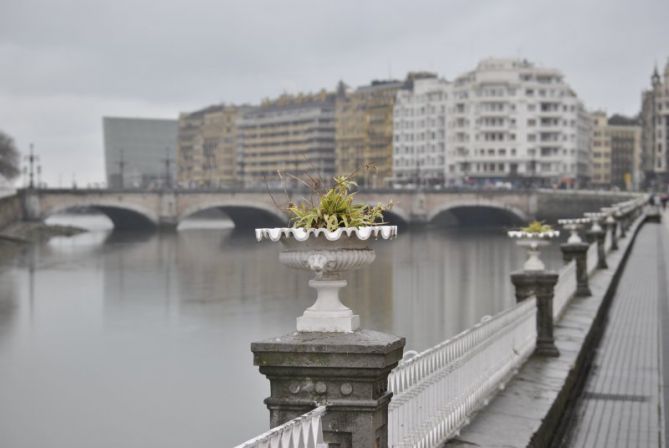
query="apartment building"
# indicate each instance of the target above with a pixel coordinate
(293, 134)
(655, 131)
(509, 120)
(420, 132)
(601, 151)
(616, 152)
(625, 135)
(207, 148)
(364, 132)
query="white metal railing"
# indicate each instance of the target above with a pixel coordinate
(436, 391)
(564, 288)
(305, 431)
(592, 258)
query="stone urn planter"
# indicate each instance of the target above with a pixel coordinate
(533, 241)
(574, 225)
(610, 213)
(328, 254)
(595, 218)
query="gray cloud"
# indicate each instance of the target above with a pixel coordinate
(70, 62)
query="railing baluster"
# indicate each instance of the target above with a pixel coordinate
(305, 431)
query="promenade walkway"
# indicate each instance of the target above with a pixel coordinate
(623, 400)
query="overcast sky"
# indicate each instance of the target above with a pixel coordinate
(64, 64)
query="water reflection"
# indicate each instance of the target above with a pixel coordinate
(143, 339)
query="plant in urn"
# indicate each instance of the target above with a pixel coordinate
(532, 237)
(330, 236)
(573, 225)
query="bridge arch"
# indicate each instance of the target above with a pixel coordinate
(123, 216)
(396, 216)
(476, 213)
(244, 214)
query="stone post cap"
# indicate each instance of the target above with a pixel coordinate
(574, 248)
(358, 349)
(534, 276)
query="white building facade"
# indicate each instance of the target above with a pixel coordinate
(420, 133)
(655, 132)
(511, 121)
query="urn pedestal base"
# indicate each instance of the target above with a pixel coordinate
(328, 314)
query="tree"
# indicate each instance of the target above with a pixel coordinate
(9, 157)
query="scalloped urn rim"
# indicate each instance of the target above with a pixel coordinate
(522, 235)
(595, 216)
(572, 221)
(300, 234)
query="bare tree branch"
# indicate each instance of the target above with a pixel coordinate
(9, 157)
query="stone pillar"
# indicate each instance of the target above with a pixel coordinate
(578, 252)
(567, 255)
(612, 226)
(542, 285)
(346, 371)
(598, 236)
(524, 285)
(622, 221)
(544, 290)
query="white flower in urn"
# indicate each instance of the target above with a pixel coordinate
(328, 238)
(535, 235)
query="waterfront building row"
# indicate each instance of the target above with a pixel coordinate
(507, 121)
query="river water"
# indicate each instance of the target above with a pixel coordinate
(140, 340)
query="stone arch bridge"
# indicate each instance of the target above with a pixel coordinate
(129, 209)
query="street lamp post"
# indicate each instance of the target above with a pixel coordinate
(32, 160)
(121, 167)
(168, 174)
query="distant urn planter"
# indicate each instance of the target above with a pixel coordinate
(610, 213)
(596, 219)
(532, 241)
(328, 254)
(574, 225)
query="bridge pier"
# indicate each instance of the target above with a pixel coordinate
(31, 205)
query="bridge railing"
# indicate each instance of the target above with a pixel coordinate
(436, 391)
(305, 431)
(564, 288)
